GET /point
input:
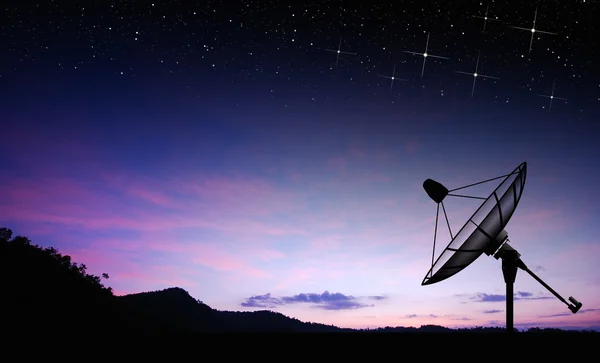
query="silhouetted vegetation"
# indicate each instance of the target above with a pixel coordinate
(45, 292)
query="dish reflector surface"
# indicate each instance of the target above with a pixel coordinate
(481, 229)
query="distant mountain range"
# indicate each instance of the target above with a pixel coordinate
(44, 292)
(174, 309)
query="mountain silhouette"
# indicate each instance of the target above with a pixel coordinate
(174, 310)
(46, 292)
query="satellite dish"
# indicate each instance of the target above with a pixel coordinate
(484, 233)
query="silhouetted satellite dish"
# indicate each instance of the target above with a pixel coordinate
(484, 233)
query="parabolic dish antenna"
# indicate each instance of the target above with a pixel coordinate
(484, 233)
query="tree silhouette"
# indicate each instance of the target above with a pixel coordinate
(45, 289)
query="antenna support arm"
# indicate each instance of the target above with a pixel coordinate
(573, 307)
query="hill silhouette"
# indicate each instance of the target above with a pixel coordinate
(46, 292)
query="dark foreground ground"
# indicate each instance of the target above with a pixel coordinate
(348, 347)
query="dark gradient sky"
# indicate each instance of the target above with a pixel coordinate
(221, 147)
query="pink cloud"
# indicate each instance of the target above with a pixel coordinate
(96, 259)
(142, 219)
(136, 266)
(335, 274)
(216, 259)
(298, 275)
(114, 243)
(540, 223)
(122, 272)
(151, 279)
(540, 216)
(153, 196)
(213, 257)
(199, 189)
(129, 270)
(327, 243)
(417, 268)
(270, 255)
(233, 206)
(577, 253)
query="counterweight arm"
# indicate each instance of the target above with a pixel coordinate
(573, 307)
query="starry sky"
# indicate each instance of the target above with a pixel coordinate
(228, 148)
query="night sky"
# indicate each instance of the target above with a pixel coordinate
(229, 149)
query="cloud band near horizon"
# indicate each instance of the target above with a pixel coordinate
(325, 301)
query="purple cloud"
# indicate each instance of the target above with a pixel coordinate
(564, 325)
(378, 298)
(434, 316)
(493, 311)
(326, 301)
(262, 301)
(582, 311)
(520, 295)
(482, 297)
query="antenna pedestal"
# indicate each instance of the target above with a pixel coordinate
(511, 262)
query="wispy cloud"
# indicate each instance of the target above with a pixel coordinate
(582, 311)
(561, 324)
(378, 298)
(520, 295)
(326, 301)
(435, 316)
(493, 311)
